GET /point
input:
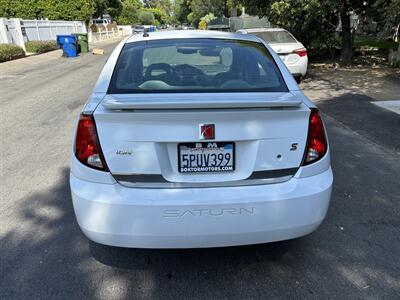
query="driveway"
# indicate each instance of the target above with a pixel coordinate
(354, 254)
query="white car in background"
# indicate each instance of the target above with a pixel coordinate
(290, 50)
(198, 139)
(103, 22)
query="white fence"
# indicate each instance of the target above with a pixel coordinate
(103, 35)
(18, 31)
(125, 30)
(106, 34)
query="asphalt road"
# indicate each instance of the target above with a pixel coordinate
(354, 254)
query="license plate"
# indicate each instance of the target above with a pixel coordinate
(206, 157)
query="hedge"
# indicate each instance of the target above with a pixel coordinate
(10, 52)
(40, 46)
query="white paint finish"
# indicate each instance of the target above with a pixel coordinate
(18, 38)
(259, 134)
(299, 94)
(88, 174)
(4, 36)
(125, 30)
(92, 102)
(19, 31)
(263, 126)
(392, 105)
(298, 66)
(102, 35)
(146, 218)
(316, 168)
(199, 100)
(295, 63)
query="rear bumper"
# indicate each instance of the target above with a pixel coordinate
(201, 217)
(298, 68)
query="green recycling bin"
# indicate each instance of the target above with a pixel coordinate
(83, 42)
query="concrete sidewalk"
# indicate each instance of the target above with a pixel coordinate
(19, 65)
(325, 83)
(392, 105)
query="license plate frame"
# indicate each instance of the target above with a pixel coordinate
(201, 149)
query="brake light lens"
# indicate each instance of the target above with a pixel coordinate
(316, 141)
(87, 146)
(301, 52)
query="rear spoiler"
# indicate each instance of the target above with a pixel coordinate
(199, 100)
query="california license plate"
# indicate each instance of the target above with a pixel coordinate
(206, 157)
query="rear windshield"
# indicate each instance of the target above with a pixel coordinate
(276, 37)
(195, 65)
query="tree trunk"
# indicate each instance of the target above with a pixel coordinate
(347, 45)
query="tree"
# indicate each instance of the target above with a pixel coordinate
(129, 12)
(164, 5)
(146, 17)
(160, 15)
(315, 18)
(347, 45)
(19, 9)
(201, 8)
(347, 7)
(313, 22)
(387, 13)
(181, 10)
(234, 8)
(51, 9)
(111, 7)
(66, 10)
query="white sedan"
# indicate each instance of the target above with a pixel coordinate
(290, 50)
(198, 139)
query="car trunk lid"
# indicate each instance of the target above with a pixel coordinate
(140, 134)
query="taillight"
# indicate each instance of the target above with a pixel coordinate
(87, 146)
(316, 141)
(300, 52)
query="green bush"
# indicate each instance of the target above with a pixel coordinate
(10, 52)
(40, 46)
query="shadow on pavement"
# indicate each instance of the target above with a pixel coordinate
(356, 111)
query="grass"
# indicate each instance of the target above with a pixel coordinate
(40, 46)
(10, 52)
(373, 42)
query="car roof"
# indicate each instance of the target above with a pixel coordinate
(261, 29)
(192, 34)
